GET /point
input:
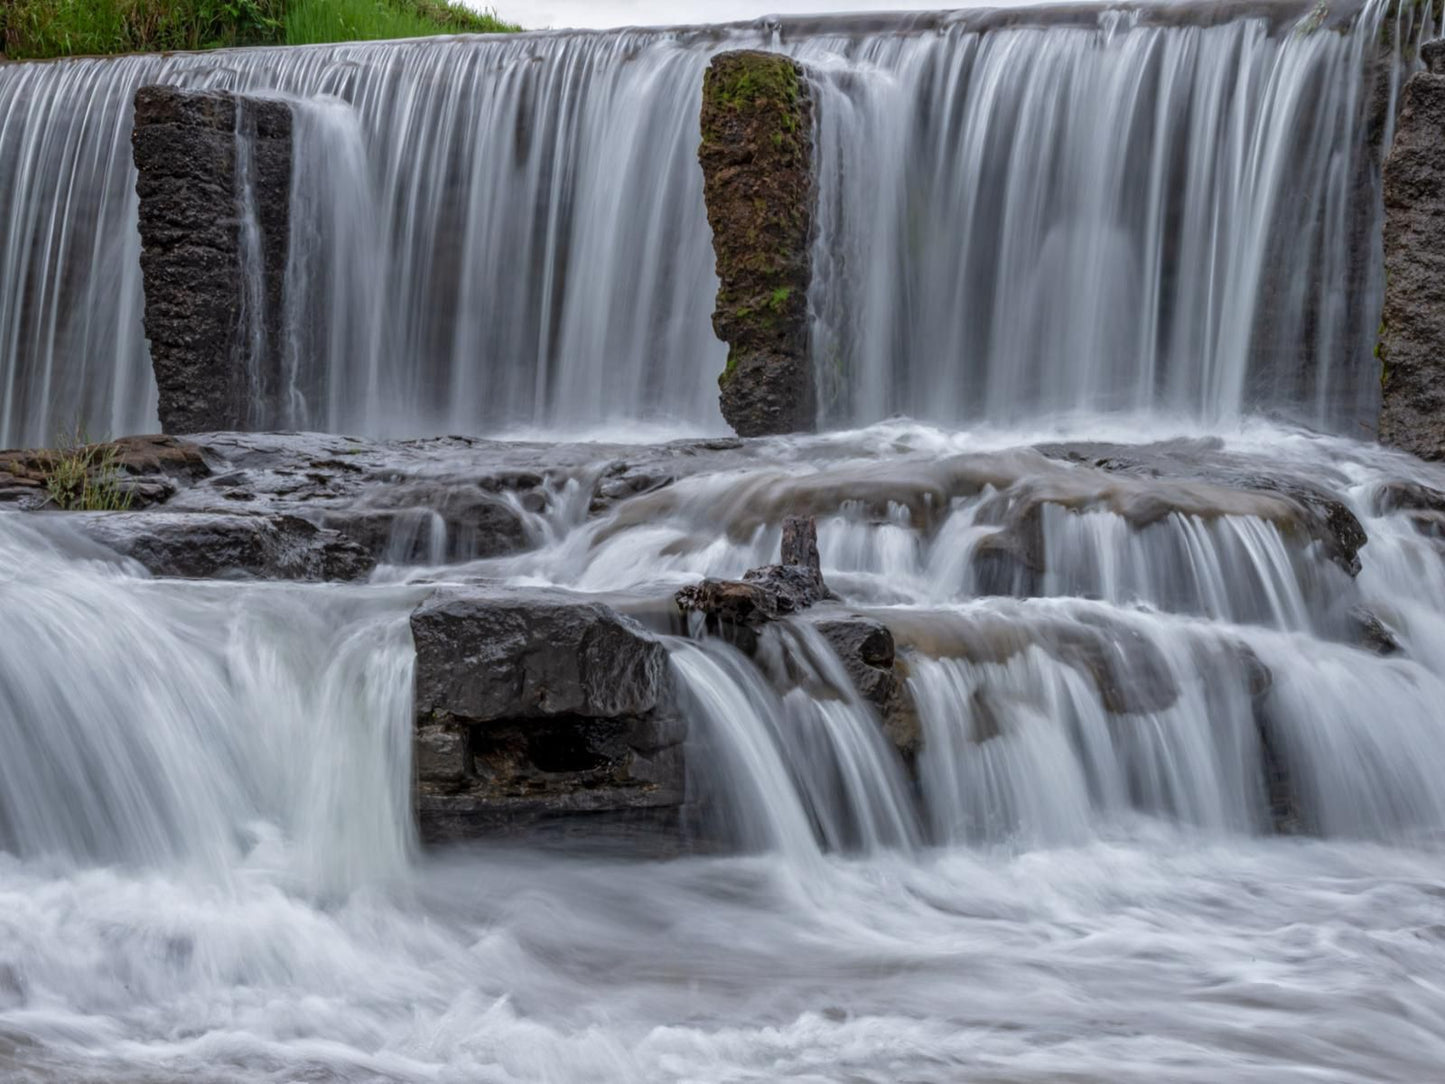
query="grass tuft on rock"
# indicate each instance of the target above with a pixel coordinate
(85, 477)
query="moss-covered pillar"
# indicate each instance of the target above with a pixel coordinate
(213, 173)
(757, 164)
(1412, 325)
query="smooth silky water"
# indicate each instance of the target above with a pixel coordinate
(207, 865)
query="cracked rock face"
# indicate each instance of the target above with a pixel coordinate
(210, 545)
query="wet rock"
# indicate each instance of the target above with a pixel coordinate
(1130, 673)
(1198, 478)
(1408, 496)
(1412, 324)
(497, 653)
(1010, 561)
(868, 653)
(756, 156)
(216, 352)
(1281, 796)
(537, 711)
(800, 543)
(737, 609)
(422, 521)
(202, 545)
(1327, 520)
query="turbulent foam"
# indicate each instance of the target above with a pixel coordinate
(208, 872)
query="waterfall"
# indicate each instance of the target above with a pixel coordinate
(1152, 786)
(1114, 212)
(148, 724)
(1100, 217)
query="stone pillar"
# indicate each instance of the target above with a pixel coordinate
(1412, 326)
(214, 181)
(757, 164)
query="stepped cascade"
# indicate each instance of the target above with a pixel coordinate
(1066, 706)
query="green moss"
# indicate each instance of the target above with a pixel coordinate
(1316, 18)
(779, 298)
(755, 78)
(310, 22)
(730, 368)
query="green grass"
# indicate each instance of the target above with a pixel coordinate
(85, 477)
(39, 29)
(312, 22)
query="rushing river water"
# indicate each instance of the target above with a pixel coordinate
(210, 872)
(1120, 631)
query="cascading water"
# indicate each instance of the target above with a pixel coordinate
(1169, 807)
(1015, 218)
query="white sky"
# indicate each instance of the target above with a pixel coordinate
(557, 14)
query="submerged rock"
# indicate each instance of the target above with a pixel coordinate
(202, 545)
(757, 164)
(538, 711)
(1199, 478)
(740, 610)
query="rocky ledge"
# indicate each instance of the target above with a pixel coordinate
(539, 712)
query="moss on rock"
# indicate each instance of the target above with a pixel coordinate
(756, 157)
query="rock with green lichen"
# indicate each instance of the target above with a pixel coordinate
(756, 156)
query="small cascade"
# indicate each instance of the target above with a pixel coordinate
(335, 325)
(1082, 645)
(151, 723)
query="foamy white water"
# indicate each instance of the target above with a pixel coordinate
(1177, 812)
(209, 876)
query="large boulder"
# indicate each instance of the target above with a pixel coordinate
(539, 711)
(757, 164)
(1412, 323)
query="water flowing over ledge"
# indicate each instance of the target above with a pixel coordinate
(1020, 212)
(1157, 792)
(209, 862)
